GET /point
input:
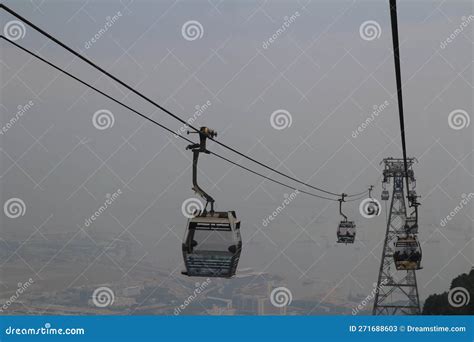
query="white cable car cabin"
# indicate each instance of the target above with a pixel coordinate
(346, 230)
(212, 242)
(407, 253)
(212, 245)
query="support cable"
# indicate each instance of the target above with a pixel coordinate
(157, 123)
(398, 76)
(97, 67)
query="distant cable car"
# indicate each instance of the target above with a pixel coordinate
(346, 231)
(372, 206)
(385, 194)
(407, 253)
(212, 243)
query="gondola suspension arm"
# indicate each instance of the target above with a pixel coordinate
(204, 134)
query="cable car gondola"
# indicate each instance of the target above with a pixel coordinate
(407, 253)
(385, 194)
(212, 242)
(212, 245)
(371, 206)
(346, 230)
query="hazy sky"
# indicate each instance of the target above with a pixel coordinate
(320, 70)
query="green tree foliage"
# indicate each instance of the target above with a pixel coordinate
(438, 304)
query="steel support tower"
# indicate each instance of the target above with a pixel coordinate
(397, 290)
